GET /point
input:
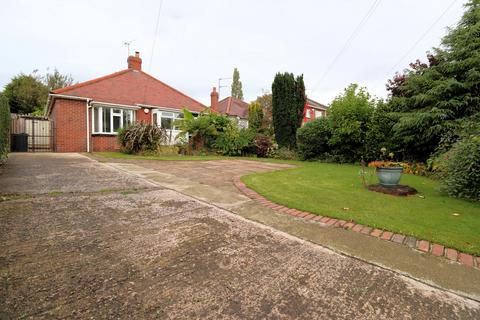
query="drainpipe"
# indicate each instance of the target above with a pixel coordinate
(88, 125)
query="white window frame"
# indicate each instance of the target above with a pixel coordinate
(318, 114)
(112, 114)
(308, 114)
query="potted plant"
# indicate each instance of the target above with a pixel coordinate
(388, 171)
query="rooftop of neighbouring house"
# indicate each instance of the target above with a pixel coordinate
(316, 105)
(233, 107)
(132, 86)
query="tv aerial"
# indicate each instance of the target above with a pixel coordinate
(127, 44)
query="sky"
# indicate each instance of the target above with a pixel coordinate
(197, 42)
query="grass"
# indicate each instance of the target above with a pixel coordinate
(336, 191)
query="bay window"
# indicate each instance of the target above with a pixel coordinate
(109, 120)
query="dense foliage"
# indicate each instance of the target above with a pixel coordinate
(313, 138)
(349, 116)
(236, 85)
(27, 94)
(4, 128)
(232, 141)
(255, 116)
(202, 131)
(288, 101)
(430, 98)
(263, 145)
(265, 102)
(141, 137)
(462, 178)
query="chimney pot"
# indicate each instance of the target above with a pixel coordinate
(214, 100)
(135, 62)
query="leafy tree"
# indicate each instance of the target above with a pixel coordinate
(265, 102)
(56, 80)
(379, 132)
(432, 97)
(255, 116)
(237, 85)
(349, 116)
(26, 93)
(288, 102)
(29, 93)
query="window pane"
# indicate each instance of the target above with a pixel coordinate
(107, 126)
(155, 119)
(166, 123)
(96, 119)
(116, 122)
(167, 114)
(127, 117)
(117, 111)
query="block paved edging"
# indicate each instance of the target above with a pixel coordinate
(417, 244)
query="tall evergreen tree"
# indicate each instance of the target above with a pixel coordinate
(431, 99)
(237, 85)
(288, 102)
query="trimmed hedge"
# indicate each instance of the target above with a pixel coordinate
(5, 119)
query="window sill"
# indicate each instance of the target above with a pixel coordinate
(104, 134)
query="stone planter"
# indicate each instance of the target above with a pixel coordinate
(389, 177)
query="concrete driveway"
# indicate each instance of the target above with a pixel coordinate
(114, 245)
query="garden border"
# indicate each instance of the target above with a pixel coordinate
(423, 246)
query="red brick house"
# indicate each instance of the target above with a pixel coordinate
(313, 110)
(87, 115)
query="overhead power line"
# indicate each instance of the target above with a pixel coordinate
(350, 39)
(155, 34)
(422, 37)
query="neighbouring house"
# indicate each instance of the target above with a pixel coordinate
(313, 110)
(86, 116)
(233, 108)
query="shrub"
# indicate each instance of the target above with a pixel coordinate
(263, 145)
(141, 137)
(312, 139)
(283, 154)
(202, 130)
(232, 141)
(4, 128)
(462, 169)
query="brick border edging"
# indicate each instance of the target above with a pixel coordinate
(420, 245)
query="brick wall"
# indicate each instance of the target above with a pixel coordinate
(69, 118)
(141, 116)
(101, 142)
(70, 125)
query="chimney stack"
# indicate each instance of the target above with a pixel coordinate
(135, 62)
(214, 100)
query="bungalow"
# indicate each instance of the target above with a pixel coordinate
(233, 108)
(313, 110)
(87, 115)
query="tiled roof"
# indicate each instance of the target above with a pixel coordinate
(233, 107)
(316, 105)
(131, 87)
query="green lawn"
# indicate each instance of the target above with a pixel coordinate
(336, 191)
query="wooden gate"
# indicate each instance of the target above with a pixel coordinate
(38, 129)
